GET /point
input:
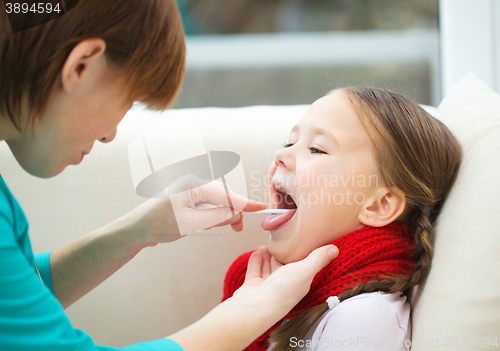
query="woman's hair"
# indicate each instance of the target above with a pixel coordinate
(417, 154)
(144, 42)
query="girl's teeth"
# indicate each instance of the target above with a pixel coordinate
(280, 189)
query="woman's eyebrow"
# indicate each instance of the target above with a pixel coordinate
(320, 131)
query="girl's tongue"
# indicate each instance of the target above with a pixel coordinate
(274, 221)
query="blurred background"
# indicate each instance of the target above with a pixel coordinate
(283, 52)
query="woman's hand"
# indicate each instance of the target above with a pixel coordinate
(161, 220)
(289, 283)
(270, 291)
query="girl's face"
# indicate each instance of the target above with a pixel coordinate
(327, 171)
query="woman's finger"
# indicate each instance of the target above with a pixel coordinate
(237, 218)
(275, 264)
(215, 194)
(191, 220)
(238, 226)
(266, 262)
(254, 269)
(317, 260)
(253, 205)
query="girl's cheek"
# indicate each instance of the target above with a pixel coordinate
(308, 196)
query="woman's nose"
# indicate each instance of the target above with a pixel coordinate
(285, 158)
(108, 138)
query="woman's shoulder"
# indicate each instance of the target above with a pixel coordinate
(12, 217)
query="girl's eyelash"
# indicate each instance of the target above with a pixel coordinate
(312, 149)
(315, 150)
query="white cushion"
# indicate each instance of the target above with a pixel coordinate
(460, 301)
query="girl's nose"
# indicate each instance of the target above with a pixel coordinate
(285, 158)
(108, 138)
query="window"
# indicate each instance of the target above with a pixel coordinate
(251, 52)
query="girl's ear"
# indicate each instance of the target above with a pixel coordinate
(385, 207)
(80, 61)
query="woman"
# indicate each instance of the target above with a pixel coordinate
(64, 85)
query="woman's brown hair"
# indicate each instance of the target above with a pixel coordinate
(417, 154)
(144, 41)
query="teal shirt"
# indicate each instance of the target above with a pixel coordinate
(31, 318)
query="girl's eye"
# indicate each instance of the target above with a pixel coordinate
(315, 150)
(312, 149)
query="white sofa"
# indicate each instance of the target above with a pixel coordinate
(170, 286)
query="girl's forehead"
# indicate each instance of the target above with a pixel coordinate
(331, 112)
(333, 116)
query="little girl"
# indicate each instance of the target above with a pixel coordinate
(367, 170)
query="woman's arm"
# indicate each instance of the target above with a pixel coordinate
(270, 291)
(30, 315)
(84, 263)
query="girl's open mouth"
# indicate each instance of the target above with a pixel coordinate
(283, 200)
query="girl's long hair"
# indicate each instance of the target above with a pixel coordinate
(417, 154)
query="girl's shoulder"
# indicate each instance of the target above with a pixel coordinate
(376, 304)
(388, 299)
(363, 305)
(379, 317)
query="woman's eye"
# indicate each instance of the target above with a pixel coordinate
(315, 150)
(287, 145)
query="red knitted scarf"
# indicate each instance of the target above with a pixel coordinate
(364, 254)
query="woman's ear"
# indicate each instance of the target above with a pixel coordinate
(383, 208)
(81, 60)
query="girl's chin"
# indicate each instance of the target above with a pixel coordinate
(275, 251)
(281, 255)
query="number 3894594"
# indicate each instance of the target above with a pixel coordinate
(40, 7)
